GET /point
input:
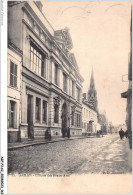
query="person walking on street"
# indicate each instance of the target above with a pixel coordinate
(121, 133)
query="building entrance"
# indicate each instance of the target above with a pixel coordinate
(90, 127)
(64, 120)
(30, 117)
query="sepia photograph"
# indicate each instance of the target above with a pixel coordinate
(69, 96)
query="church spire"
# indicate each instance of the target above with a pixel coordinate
(92, 93)
(92, 83)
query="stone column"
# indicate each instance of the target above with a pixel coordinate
(68, 85)
(69, 90)
(75, 90)
(41, 105)
(61, 78)
(34, 108)
(51, 110)
(47, 68)
(15, 115)
(80, 95)
(53, 71)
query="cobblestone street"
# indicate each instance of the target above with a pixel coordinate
(105, 155)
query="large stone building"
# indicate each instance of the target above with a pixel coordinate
(51, 85)
(90, 123)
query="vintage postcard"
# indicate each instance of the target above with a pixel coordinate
(66, 103)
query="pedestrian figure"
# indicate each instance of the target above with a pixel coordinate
(48, 134)
(98, 135)
(121, 133)
(126, 133)
(68, 132)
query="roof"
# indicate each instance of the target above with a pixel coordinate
(14, 48)
(85, 102)
(63, 36)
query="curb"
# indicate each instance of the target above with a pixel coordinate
(45, 142)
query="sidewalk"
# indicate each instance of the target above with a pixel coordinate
(18, 145)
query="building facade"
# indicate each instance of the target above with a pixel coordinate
(89, 119)
(128, 93)
(14, 63)
(103, 121)
(51, 86)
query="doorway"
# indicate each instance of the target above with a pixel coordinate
(30, 117)
(90, 127)
(64, 120)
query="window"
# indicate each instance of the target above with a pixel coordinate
(72, 122)
(56, 113)
(12, 114)
(73, 88)
(38, 61)
(44, 111)
(56, 74)
(78, 116)
(77, 94)
(38, 102)
(77, 120)
(64, 82)
(13, 74)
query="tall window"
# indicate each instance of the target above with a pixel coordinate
(72, 122)
(64, 82)
(56, 113)
(75, 116)
(73, 88)
(38, 61)
(44, 111)
(77, 94)
(56, 74)
(12, 114)
(77, 120)
(38, 102)
(13, 74)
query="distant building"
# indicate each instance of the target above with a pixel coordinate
(102, 119)
(51, 88)
(92, 93)
(89, 118)
(128, 93)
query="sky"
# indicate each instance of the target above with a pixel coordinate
(100, 32)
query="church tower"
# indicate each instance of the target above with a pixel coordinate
(92, 93)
